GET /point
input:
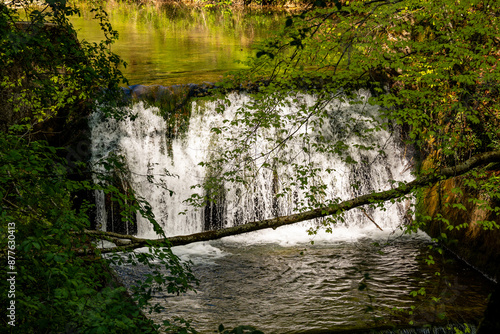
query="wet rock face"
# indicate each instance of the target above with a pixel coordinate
(159, 92)
(468, 238)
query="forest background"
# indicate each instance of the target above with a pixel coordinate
(431, 66)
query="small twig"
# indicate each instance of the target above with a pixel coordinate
(364, 211)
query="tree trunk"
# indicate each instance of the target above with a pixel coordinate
(402, 190)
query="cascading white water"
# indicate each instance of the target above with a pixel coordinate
(143, 144)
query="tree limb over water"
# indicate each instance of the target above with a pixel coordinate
(129, 242)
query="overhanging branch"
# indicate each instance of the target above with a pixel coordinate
(404, 189)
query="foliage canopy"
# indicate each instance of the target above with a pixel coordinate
(49, 81)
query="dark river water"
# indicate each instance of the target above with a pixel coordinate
(360, 282)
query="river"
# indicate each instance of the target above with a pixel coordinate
(174, 44)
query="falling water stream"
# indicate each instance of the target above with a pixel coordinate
(286, 280)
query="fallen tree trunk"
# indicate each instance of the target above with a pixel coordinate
(378, 197)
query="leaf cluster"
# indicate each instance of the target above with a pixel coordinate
(49, 78)
(63, 283)
(46, 72)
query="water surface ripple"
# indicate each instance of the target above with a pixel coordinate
(326, 286)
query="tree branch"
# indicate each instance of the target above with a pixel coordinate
(378, 197)
(371, 219)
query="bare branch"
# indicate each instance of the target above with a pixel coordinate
(371, 219)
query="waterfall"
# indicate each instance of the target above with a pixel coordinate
(148, 153)
(271, 278)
